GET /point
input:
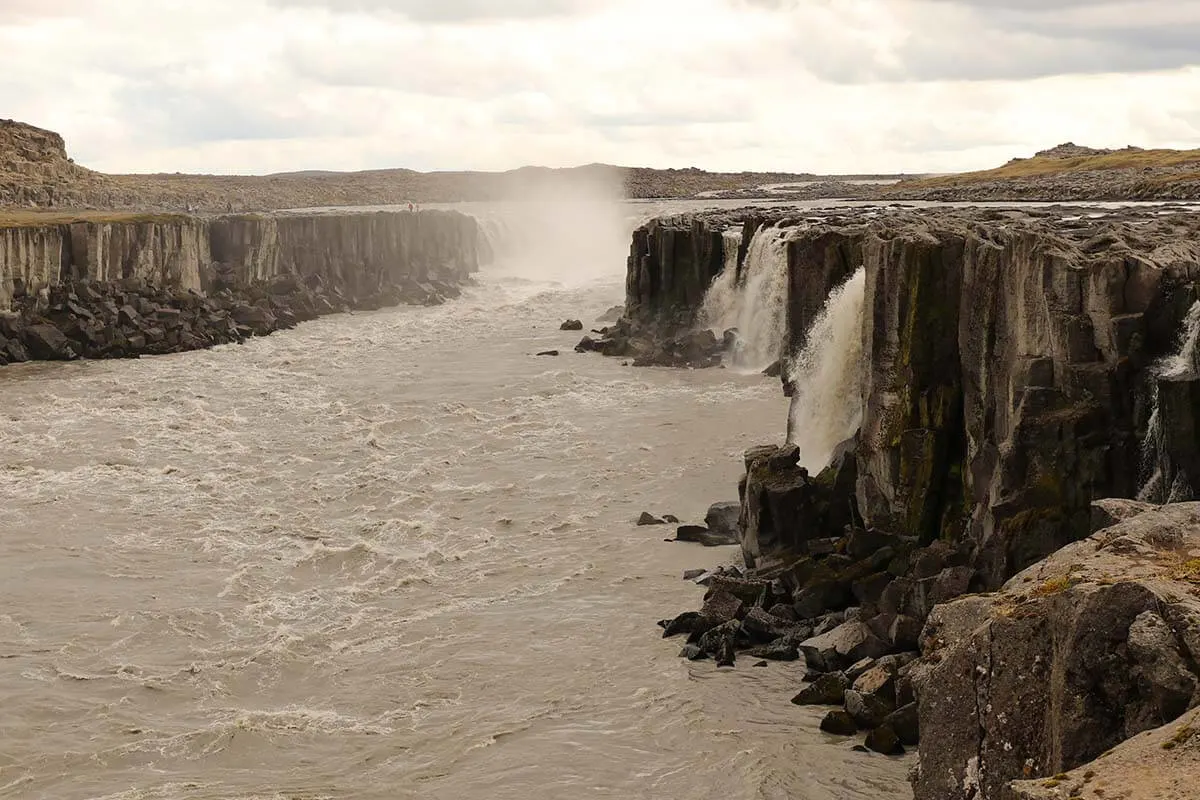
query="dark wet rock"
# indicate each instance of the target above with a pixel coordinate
(774, 371)
(762, 627)
(721, 607)
(845, 645)
(868, 711)
(905, 723)
(721, 643)
(858, 668)
(885, 741)
(47, 343)
(782, 649)
(750, 592)
(685, 623)
(548, 353)
(828, 690)
(690, 533)
(647, 519)
(692, 574)
(572, 325)
(839, 723)
(693, 652)
(722, 520)
(762, 664)
(784, 611)
(671, 519)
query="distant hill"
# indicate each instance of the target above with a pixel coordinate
(1069, 172)
(35, 172)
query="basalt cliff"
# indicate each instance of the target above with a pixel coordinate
(962, 570)
(108, 286)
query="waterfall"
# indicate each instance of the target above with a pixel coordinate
(1162, 483)
(754, 301)
(829, 374)
(720, 309)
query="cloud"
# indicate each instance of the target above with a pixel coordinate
(449, 11)
(819, 85)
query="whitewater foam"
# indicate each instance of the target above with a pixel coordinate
(1161, 481)
(828, 374)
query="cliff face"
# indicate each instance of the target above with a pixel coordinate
(164, 283)
(1015, 367)
(1006, 356)
(1004, 365)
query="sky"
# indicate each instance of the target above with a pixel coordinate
(259, 86)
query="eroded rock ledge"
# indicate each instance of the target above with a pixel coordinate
(168, 283)
(1010, 365)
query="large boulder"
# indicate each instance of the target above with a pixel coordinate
(842, 647)
(1091, 646)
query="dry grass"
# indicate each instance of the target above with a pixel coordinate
(1054, 586)
(1041, 166)
(1187, 571)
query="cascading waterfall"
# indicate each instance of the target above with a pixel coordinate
(754, 301)
(1161, 482)
(829, 374)
(720, 309)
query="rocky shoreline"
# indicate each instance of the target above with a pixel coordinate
(958, 575)
(168, 284)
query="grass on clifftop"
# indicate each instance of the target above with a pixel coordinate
(1041, 166)
(28, 218)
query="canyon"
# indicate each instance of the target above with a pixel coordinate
(128, 285)
(991, 399)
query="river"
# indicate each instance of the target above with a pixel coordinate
(386, 555)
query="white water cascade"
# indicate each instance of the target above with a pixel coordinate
(720, 309)
(1160, 483)
(755, 304)
(829, 374)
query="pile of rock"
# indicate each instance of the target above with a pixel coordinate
(132, 318)
(695, 349)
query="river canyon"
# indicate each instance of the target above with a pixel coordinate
(393, 553)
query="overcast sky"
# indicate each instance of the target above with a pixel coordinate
(797, 85)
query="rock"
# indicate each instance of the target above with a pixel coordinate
(548, 353)
(774, 371)
(905, 723)
(720, 642)
(782, 649)
(762, 664)
(647, 519)
(878, 682)
(864, 543)
(845, 645)
(722, 520)
(839, 723)
(1074, 655)
(691, 533)
(1158, 765)
(828, 690)
(1109, 512)
(671, 519)
(885, 741)
(47, 343)
(853, 673)
(693, 652)
(762, 627)
(721, 607)
(784, 612)
(692, 574)
(1164, 677)
(868, 711)
(687, 622)
(572, 325)
(750, 592)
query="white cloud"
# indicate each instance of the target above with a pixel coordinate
(821, 85)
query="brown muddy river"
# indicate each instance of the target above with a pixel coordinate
(386, 555)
